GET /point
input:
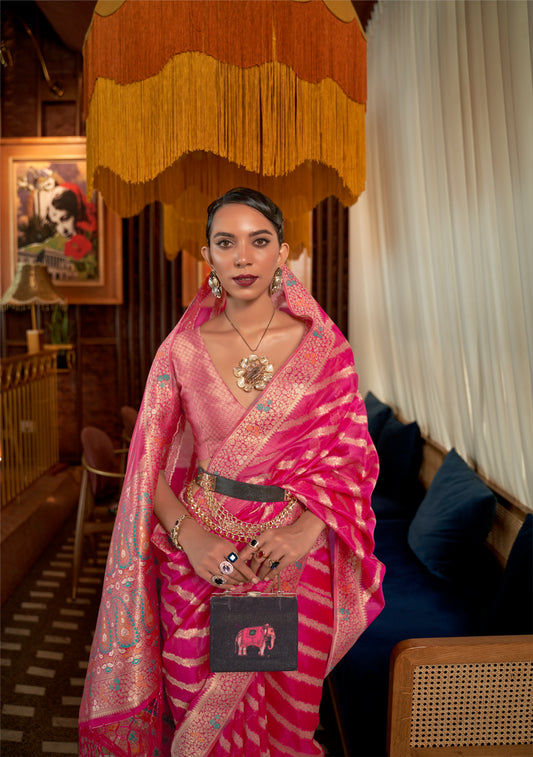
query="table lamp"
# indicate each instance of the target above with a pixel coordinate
(32, 286)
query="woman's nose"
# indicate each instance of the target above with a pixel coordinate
(241, 255)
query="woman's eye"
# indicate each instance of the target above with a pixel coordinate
(261, 242)
(224, 243)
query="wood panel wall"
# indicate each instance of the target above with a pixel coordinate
(330, 260)
(152, 300)
(115, 344)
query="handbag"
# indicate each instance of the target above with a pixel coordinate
(253, 632)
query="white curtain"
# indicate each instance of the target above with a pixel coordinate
(441, 242)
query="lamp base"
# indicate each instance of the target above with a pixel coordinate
(35, 340)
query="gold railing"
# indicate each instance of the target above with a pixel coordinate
(30, 434)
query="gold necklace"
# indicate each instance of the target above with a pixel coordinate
(253, 372)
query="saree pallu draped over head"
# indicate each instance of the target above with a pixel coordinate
(307, 433)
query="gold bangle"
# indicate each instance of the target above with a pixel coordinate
(175, 531)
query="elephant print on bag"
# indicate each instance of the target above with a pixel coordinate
(255, 636)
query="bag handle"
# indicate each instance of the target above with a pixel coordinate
(278, 593)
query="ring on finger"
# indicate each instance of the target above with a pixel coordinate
(225, 567)
(273, 564)
(254, 544)
(260, 554)
(232, 557)
(218, 580)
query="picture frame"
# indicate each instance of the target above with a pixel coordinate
(46, 216)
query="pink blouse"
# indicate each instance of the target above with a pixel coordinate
(209, 406)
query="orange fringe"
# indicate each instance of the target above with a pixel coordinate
(236, 113)
(136, 41)
(178, 112)
(234, 130)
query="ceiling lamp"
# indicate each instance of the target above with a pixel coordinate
(185, 100)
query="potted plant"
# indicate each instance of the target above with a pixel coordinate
(60, 335)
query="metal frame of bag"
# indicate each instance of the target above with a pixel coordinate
(253, 632)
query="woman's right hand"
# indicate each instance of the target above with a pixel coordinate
(206, 551)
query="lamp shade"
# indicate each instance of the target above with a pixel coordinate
(32, 285)
(187, 99)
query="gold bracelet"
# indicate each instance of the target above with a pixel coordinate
(175, 531)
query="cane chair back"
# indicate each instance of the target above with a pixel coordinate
(469, 696)
(100, 488)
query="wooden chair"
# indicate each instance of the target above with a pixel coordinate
(129, 419)
(469, 696)
(99, 492)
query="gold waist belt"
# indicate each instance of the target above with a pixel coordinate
(222, 522)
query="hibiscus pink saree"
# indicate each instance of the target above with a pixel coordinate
(149, 690)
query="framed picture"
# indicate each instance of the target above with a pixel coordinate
(47, 217)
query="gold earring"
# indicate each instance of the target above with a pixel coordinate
(214, 283)
(277, 281)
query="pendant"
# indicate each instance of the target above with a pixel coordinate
(253, 372)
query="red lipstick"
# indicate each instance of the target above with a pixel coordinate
(245, 281)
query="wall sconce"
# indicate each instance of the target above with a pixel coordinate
(32, 286)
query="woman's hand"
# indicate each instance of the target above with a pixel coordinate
(208, 555)
(276, 548)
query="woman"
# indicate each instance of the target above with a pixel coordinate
(74, 218)
(254, 386)
(70, 212)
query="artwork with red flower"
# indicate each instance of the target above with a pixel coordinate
(56, 223)
(77, 247)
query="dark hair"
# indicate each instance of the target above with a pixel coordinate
(70, 202)
(252, 198)
(67, 200)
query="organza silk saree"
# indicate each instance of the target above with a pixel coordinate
(307, 432)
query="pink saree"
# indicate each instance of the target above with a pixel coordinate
(149, 690)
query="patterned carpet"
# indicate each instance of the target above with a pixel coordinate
(45, 642)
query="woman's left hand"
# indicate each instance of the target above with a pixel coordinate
(276, 548)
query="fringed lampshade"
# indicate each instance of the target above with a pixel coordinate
(187, 99)
(31, 286)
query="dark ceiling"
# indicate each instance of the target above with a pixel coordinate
(71, 18)
(364, 10)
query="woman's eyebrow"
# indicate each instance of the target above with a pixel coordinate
(227, 234)
(223, 234)
(260, 231)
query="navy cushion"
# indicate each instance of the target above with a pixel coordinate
(389, 507)
(417, 602)
(453, 520)
(417, 605)
(511, 612)
(399, 449)
(377, 413)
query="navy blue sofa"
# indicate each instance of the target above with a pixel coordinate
(440, 579)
